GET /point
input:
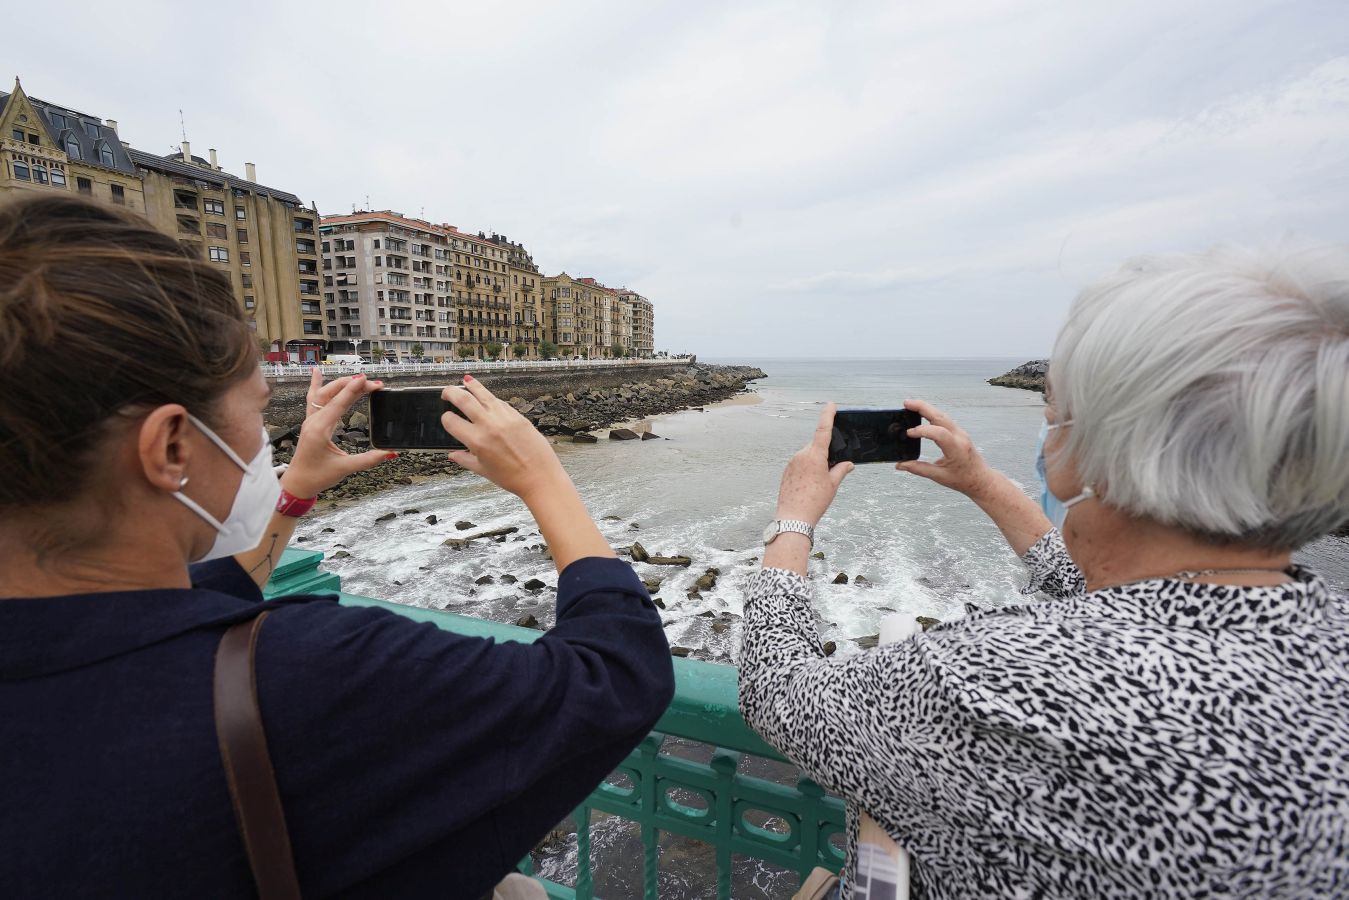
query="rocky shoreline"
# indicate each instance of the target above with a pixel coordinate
(1028, 376)
(578, 416)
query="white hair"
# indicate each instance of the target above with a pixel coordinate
(1210, 391)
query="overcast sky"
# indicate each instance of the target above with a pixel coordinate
(817, 179)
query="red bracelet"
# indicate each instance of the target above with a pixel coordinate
(290, 505)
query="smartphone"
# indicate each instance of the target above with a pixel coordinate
(874, 435)
(409, 419)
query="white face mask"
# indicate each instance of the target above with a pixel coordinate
(253, 504)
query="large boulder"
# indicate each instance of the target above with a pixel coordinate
(582, 437)
(639, 553)
(669, 561)
(623, 434)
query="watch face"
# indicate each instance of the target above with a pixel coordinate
(770, 532)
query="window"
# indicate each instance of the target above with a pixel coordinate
(214, 207)
(313, 328)
(84, 186)
(239, 213)
(40, 174)
(17, 134)
(118, 194)
(216, 230)
(245, 257)
(379, 260)
(326, 246)
(58, 120)
(58, 178)
(218, 254)
(105, 155)
(248, 280)
(249, 302)
(376, 243)
(73, 148)
(32, 139)
(91, 129)
(242, 233)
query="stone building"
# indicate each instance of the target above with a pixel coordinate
(261, 238)
(388, 286)
(643, 323)
(526, 298)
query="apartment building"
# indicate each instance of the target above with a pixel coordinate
(643, 321)
(261, 238)
(388, 286)
(526, 298)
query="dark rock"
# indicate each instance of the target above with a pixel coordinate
(411, 512)
(639, 553)
(861, 579)
(549, 421)
(340, 554)
(464, 526)
(720, 627)
(866, 643)
(527, 621)
(328, 530)
(693, 594)
(707, 614)
(386, 517)
(669, 561)
(713, 570)
(660, 604)
(633, 526)
(486, 579)
(648, 436)
(460, 543)
(818, 554)
(358, 419)
(301, 539)
(581, 437)
(927, 621)
(829, 648)
(841, 578)
(431, 520)
(509, 579)
(680, 651)
(623, 434)
(705, 582)
(652, 584)
(572, 426)
(613, 518)
(534, 584)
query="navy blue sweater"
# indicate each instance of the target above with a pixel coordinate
(412, 762)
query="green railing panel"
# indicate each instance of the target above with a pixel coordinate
(708, 802)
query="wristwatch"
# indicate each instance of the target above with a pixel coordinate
(778, 526)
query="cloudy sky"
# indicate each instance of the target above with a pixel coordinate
(818, 179)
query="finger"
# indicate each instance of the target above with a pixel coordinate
(360, 462)
(465, 402)
(467, 459)
(930, 471)
(459, 428)
(326, 392)
(946, 441)
(336, 407)
(931, 413)
(479, 390)
(825, 429)
(840, 472)
(315, 382)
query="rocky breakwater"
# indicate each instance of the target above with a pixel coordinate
(1029, 376)
(579, 415)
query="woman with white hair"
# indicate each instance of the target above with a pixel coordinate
(1173, 720)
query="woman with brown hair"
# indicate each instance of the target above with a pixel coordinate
(409, 761)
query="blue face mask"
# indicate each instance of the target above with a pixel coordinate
(1055, 509)
(1053, 506)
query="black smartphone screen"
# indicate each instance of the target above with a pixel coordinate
(409, 419)
(874, 435)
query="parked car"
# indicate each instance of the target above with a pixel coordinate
(345, 359)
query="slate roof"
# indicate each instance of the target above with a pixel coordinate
(85, 130)
(171, 166)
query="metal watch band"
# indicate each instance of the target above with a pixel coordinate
(797, 526)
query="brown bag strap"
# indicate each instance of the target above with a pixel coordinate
(248, 766)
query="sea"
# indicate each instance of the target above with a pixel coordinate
(707, 488)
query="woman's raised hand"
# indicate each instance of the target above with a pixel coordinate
(808, 484)
(503, 446)
(318, 463)
(960, 467)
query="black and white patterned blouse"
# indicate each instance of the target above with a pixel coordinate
(1158, 739)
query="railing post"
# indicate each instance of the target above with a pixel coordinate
(585, 887)
(724, 764)
(649, 750)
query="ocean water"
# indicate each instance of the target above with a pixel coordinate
(708, 489)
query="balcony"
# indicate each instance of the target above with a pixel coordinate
(190, 226)
(183, 199)
(303, 226)
(307, 267)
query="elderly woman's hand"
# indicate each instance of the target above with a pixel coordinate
(960, 467)
(318, 463)
(808, 484)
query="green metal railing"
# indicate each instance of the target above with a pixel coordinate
(659, 788)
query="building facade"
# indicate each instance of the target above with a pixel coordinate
(262, 239)
(387, 287)
(643, 323)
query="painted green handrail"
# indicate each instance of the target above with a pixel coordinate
(704, 709)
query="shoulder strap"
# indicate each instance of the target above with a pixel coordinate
(248, 766)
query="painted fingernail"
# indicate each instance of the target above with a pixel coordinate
(391, 456)
(358, 375)
(468, 377)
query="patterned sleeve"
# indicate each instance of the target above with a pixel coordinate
(815, 710)
(1052, 570)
